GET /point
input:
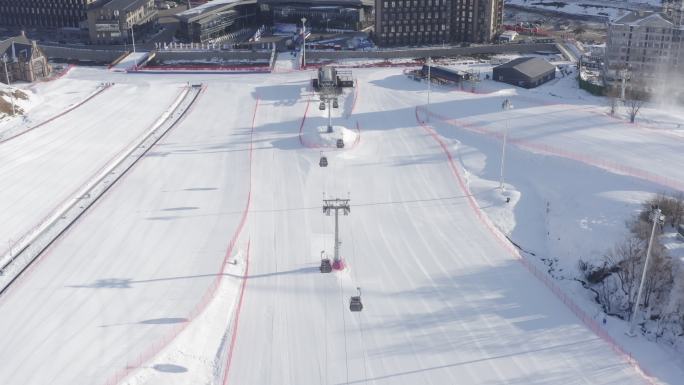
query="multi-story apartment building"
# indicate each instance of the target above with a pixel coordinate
(417, 22)
(476, 21)
(648, 46)
(412, 22)
(118, 21)
(44, 13)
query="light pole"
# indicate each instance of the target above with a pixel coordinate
(505, 106)
(656, 217)
(303, 42)
(133, 37)
(4, 60)
(429, 81)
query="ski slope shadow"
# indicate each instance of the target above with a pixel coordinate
(491, 314)
(127, 283)
(555, 377)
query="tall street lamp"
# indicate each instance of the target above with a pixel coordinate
(303, 42)
(505, 106)
(429, 82)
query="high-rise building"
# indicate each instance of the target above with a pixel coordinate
(412, 22)
(44, 13)
(476, 21)
(420, 22)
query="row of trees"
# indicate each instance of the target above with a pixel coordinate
(632, 102)
(616, 277)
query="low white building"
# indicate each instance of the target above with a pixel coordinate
(508, 36)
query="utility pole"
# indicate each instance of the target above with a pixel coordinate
(303, 42)
(336, 205)
(657, 218)
(505, 106)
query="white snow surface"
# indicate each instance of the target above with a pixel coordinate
(138, 291)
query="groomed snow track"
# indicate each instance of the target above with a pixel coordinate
(66, 216)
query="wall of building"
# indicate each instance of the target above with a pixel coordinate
(412, 22)
(43, 13)
(109, 25)
(434, 52)
(90, 55)
(190, 56)
(419, 22)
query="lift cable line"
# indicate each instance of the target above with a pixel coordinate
(356, 205)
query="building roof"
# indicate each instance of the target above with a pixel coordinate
(6, 45)
(120, 5)
(315, 3)
(210, 8)
(529, 66)
(644, 17)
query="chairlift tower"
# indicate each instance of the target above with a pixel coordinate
(336, 205)
(329, 84)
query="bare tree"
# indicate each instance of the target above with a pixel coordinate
(634, 100)
(626, 258)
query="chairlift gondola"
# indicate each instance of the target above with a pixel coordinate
(335, 103)
(321, 106)
(323, 162)
(326, 266)
(355, 302)
(340, 143)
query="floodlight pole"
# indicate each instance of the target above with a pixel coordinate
(303, 42)
(337, 205)
(4, 60)
(133, 37)
(429, 81)
(657, 217)
(505, 106)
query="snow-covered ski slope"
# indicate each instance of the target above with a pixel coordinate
(445, 300)
(45, 167)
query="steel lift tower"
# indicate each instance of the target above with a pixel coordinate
(336, 205)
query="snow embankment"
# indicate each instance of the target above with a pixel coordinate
(319, 137)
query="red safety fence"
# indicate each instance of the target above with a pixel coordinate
(605, 164)
(66, 111)
(587, 320)
(199, 68)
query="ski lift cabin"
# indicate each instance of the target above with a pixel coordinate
(326, 266)
(355, 301)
